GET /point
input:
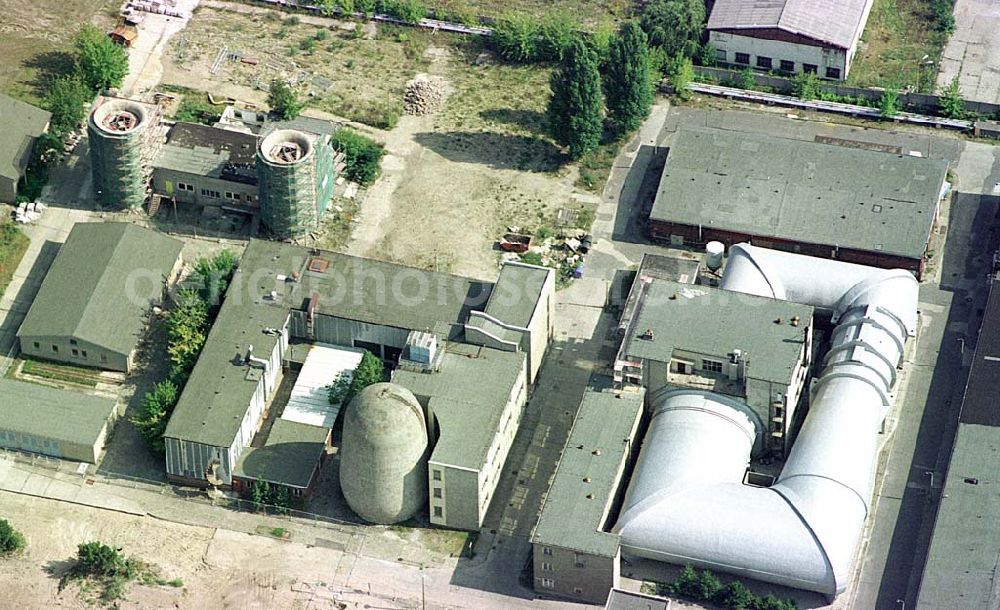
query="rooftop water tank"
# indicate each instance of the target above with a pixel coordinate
(713, 254)
(383, 464)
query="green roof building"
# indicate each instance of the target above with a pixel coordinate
(90, 309)
(853, 204)
(284, 293)
(22, 125)
(57, 423)
(574, 553)
(756, 349)
(474, 402)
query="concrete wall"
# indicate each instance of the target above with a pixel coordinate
(74, 351)
(567, 573)
(167, 182)
(682, 234)
(778, 50)
(540, 327)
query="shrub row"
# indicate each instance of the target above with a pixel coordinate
(707, 587)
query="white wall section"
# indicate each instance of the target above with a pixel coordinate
(686, 502)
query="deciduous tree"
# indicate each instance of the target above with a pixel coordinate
(102, 63)
(675, 25)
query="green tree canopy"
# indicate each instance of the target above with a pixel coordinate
(283, 101)
(66, 100)
(370, 370)
(674, 25)
(157, 406)
(575, 108)
(102, 63)
(628, 90)
(11, 540)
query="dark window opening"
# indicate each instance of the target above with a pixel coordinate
(743, 58)
(787, 66)
(764, 62)
(833, 72)
(810, 68)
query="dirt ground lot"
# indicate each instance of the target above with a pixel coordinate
(32, 34)
(452, 182)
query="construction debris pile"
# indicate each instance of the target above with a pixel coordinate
(424, 95)
(564, 251)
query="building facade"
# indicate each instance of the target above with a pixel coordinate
(23, 124)
(91, 307)
(789, 36)
(574, 554)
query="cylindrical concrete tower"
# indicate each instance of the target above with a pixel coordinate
(295, 182)
(121, 134)
(383, 464)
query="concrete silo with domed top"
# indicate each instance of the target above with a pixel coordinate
(383, 464)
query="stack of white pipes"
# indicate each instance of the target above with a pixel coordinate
(686, 502)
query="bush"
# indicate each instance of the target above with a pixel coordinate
(195, 108)
(889, 104)
(522, 39)
(951, 103)
(736, 596)
(410, 11)
(370, 370)
(98, 559)
(157, 406)
(707, 56)
(708, 586)
(944, 18)
(283, 101)
(687, 582)
(11, 540)
(681, 75)
(746, 79)
(806, 86)
(361, 155)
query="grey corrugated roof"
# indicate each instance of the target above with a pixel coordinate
(836, 22)
(962, 563)
(802, 191)
(289, 457)
(468, 396)
(209, 151)
(37, 410)
(21, 123)
(585, 482)
(715, 322)
(89, 292)
(630, 600)
(516, 293)
(216, 396)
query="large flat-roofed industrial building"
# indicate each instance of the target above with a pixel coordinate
(414, 320)
(574, 554)
(962, 569)
(53, 422)
(92, 305)
(860, 206)
(755, 349)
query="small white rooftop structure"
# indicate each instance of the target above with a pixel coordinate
(310, 402)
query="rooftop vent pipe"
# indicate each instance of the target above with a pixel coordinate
(686, 502)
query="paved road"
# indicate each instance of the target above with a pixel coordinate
(973, 51)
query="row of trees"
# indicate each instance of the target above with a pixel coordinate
(195, 307)
(707, 587)
(576, 108)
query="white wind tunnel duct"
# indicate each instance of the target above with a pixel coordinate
(686, 502)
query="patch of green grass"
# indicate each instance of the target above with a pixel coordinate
(595, 167)
(61, 372)
(13, 243)
(898, 35)
(194, 106)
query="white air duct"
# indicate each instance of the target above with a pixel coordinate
(686, 502)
